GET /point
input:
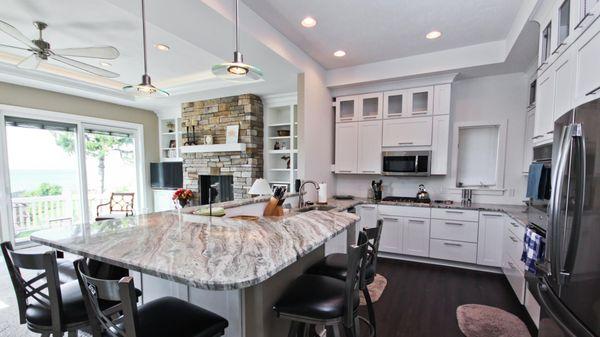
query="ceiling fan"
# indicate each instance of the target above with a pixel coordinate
(42, 51)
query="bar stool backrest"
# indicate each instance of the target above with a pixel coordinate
(118, 320)
(43, 288)
(357, 256)
(373, 239)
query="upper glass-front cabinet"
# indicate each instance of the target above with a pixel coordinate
(420, 101)
(370, 106)
(395, 104)
(587, 10)
(564, 22)
(546, 43)
(346, 108)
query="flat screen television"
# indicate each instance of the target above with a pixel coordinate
(167, 175)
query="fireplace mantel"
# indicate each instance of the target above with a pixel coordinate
(236, 147)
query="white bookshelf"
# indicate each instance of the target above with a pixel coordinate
(281, 113)
(169, 131)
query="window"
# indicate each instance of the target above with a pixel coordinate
(546, 41)
(58, 168)
(564, 14)
(480, 154)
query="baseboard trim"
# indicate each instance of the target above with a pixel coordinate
(438, 262)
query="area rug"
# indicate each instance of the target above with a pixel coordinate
(475, 320)
(375, 289)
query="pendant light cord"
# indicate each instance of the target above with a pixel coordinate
(237, 23)
(144, 37)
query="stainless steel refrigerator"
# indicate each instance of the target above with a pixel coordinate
(568, 283)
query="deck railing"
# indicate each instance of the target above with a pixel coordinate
(34, 213)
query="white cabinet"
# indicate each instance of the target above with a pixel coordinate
(588, 71)
(346, 146)
(346, 108)
(369, 147)
(528, 152)
(489, 242)
(544, 111)
(515, 277)
(456, 230)
(370, 106)
(564, 78)
(391, 234)
(416, 237)
(395, 104)
(440, 144)
(453, 250)
(368, 216)
(420, 101)
(405, 230)
(407, 132)
(441, 99)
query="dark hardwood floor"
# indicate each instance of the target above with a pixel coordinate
(421, 299)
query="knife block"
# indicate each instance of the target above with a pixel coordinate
(273, 207)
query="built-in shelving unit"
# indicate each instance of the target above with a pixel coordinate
(170, 139)
(281, 139)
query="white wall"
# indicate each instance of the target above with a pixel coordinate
(482, 99)
(316, 130)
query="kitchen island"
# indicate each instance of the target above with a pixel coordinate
(236, 268)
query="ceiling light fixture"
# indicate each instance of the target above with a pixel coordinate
(339, 53)
(162, 47)
(237, 70)
(145, 89)
(106, 64)
(308, 22)
(433, 35)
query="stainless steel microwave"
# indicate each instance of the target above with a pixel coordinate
(407, 163)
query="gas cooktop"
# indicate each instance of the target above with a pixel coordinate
(407, 199)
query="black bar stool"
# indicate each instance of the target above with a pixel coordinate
(45, 305)
(322, 300)
(167, 316)
(336, 266)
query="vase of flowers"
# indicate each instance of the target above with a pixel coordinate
(182, 197)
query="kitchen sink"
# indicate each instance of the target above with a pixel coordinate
(315, 208)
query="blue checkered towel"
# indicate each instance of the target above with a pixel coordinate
(533, 249)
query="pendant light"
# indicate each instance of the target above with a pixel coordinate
(145, 88)
(237, 70)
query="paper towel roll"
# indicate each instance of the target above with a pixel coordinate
(322, 193)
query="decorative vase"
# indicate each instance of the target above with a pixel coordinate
(208, 139)
(182, 202)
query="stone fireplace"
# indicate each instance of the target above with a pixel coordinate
(211, 117)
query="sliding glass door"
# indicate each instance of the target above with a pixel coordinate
(44, 175)
(58, 170)
(111, 172)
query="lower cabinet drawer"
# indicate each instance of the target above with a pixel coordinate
(533, 308)
(515, 277)
(513, 247)
(453, 251)
(516, 228)
(455, 214)
(454, 230)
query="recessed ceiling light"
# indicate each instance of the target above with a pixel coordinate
(339, 53)
(433, 34)
(308, 22)
(162, 47)
(105, 64)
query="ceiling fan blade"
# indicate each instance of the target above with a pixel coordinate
(108, 52)
(31, 62)
(12, 31)
(13, 47)
(84, 66)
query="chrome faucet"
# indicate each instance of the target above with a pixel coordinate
(301, 202)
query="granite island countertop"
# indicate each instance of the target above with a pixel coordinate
(203, 252)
